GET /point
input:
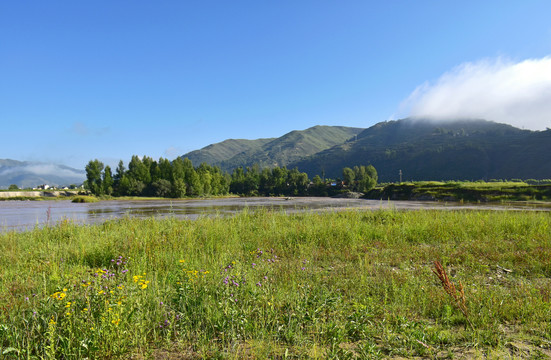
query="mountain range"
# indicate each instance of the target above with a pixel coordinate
(282, 151)
(27, 174)
(420, 149)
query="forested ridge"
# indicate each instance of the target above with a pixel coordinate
(422, 149)
(272, 152)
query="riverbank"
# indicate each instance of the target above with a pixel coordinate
(22, 215)
(349, 284)
(462, 191)
(35, 195)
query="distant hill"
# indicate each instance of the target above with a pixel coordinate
(26, 174)
(272, 152)
(225, 150)
(427, 150)
(422, 149)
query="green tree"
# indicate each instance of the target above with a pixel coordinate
(195, 183)
(366, 178)
(165, 169)
(252, 180)
(161, 188)
(205, 174)
(139, 170)
(297, 182)
(93, 177)
(318, 187)
(135, 187)
(266, 182)
(107, 181)
(237, 185)
(279, 175)
(13, 187)
(179, 188)
(348, 177)
(117, 178)
(124, 186)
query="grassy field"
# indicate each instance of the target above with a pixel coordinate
(344, 285)
(463, 191)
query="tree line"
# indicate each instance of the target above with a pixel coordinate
(179, 178)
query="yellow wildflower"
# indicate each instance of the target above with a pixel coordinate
(58, 295)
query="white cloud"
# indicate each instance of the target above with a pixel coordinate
(516, 93)
(41, 169)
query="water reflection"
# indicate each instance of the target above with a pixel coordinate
(21, 215)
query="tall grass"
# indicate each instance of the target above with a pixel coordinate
(349, 284)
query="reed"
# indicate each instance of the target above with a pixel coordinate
(457, 294)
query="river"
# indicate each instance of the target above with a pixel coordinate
(25, 215)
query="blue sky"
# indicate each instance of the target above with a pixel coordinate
(109, 79)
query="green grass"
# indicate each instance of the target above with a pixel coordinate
(341, 285)
(463, 191)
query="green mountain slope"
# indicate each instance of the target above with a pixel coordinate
(225, 150)
(424, 150)
(280, 151)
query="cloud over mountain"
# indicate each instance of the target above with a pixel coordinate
(30, 174)
(517, 93)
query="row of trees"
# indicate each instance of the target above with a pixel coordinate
(179, 178)
(163, 178)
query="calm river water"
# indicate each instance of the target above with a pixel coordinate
(22, 215)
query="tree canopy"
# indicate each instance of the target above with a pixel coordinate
(179, 178)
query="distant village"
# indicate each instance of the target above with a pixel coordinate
(44, 187)
(48, 187)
